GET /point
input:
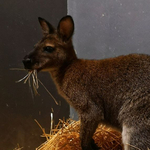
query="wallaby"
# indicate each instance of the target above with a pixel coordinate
(112, 91)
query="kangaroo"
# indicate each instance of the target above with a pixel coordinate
(112, 91)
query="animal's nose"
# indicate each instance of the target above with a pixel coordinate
(27, 63)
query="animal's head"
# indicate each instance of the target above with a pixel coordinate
(55, 48)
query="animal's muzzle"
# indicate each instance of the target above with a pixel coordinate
(27, 63)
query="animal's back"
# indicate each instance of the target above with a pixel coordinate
(119, 84)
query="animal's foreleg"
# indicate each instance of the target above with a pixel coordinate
(87, 129)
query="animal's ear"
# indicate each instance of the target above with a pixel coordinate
(65, 28)
(47, 28)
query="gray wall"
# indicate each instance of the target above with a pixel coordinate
(20, 30)
(108, 28)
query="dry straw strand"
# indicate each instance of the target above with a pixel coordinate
(67, 137)
(35, 83)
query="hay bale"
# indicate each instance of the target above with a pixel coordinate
(67, 138)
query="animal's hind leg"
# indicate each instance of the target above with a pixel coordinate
(136, 138)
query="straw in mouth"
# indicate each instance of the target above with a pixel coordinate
(35, 83)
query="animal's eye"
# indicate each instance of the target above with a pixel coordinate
(48, 49)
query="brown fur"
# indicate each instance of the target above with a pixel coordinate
(114, 91)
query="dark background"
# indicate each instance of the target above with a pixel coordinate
(20, 30)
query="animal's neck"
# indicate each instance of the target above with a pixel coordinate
(59, 72)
